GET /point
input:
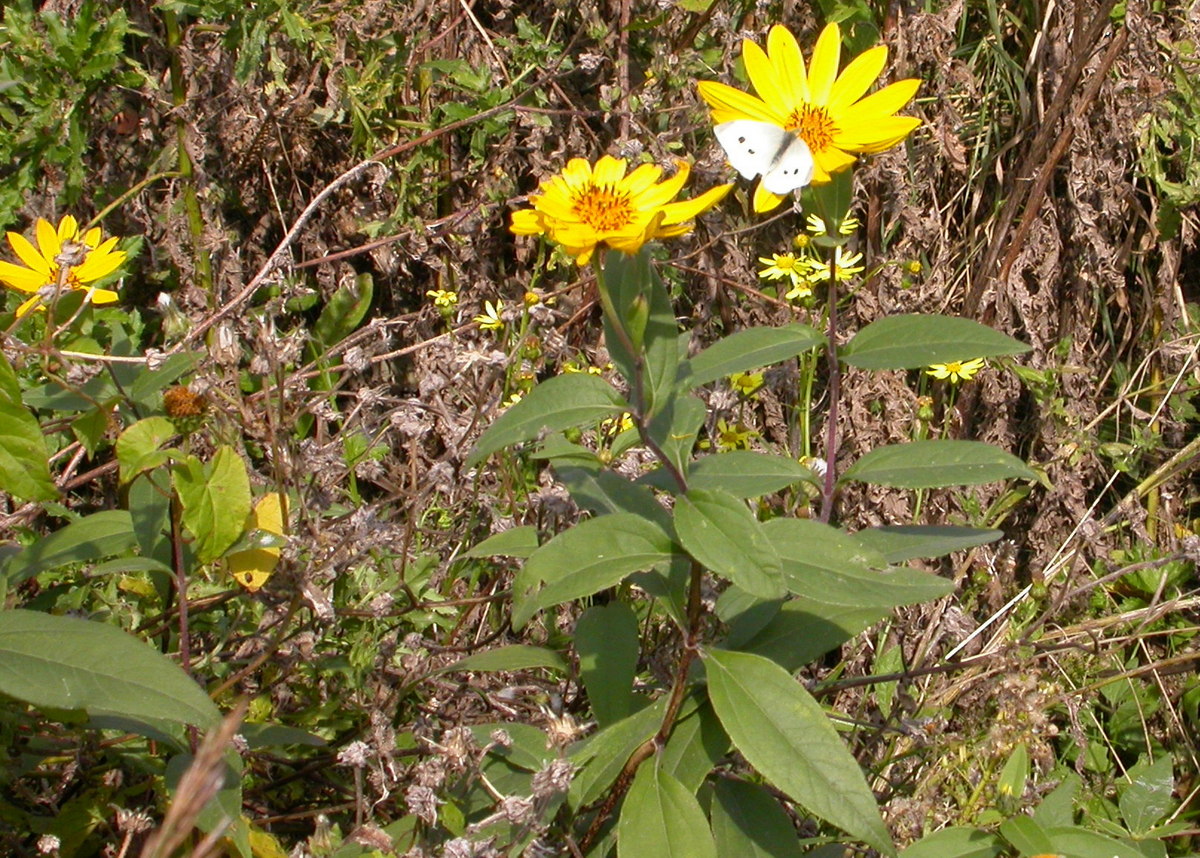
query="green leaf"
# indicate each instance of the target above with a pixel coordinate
(603, 755)
(662, 819)
(956, 843)
(88, 539)
(171, 370)
(607, 641)
(898, 543)
(1025, 835)
(720, 532)
(750, 349)
(835, 568)
(802, 630)
(222, 808)
(346, 309)
(698, 743)
(746, 474)
(648, 321)
(748, 822)
(918, 340)
(604, 492)
(1147, 797)
(216, 501)
(140, 447)
(24, 459)
(675, 429)
(561, 402)
(67, 663)
(515, 657)
(936, 464)
(514, 542)
(785, 735)
(1075, 842)
(590, 557)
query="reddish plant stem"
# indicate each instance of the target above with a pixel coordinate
(829, 489)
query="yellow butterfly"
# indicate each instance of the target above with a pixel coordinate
(251, 567)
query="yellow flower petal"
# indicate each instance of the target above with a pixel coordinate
(728, 104)
(883, 103)
(30, 256)
(856, 78)
(49, 245)
(764, 200)
(822, 69)
(34, 303)
(785, 54)
(21, 278)
(762, 74)
(68, 229)
(687, 210)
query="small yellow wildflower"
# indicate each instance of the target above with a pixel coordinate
(847, 266)
(801, 240)
(800, 290)
(616, 425)
(956, 370)
(443, 299)
(735, 436)
(512, 400)
(746, 383)
(86, 258)
(587, 207)
(532, 299)
(784, 265)
(490, 319)
(816, 225)
(913, 266)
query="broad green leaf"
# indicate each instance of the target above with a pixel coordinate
(1058, 808)
(593, 555)
(514, 542)
(675, 430)
(346, 309)
(528, 748)
(698, 743)
(647, 320)
(562, 453)
(748, 822)
(1026, 835)
(750, 349)
(956, 843)
(561, 402)
(661, 818)
(24, 458)
(936, 464)
(603, 755)
(604, 492)
(898, 543)
(918, 340)
(1075, 842)
(1148, 795)
(68, 663)
(10, 385)
(171, 370)
(785, 735)
(88, 539)
(720, 532)
(149, 500)
(746, 474)
(260, 735)
(140, 447)
(515, 657)
(802, 630)
(836, 568)
(215, 500)
(607, 641)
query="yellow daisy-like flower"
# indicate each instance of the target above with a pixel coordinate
(781, 266)
(84, 257)
(585, 207)
(956, 370)
(816, 225)
(734, 436)
(848, 264)
(825, 109)
(746, 383)
(490, 319)
(443, 298)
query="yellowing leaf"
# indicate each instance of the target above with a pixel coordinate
(251, 567)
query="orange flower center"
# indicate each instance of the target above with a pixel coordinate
(603, 208)
(814, 125)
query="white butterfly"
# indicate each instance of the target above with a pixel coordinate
(760, 148)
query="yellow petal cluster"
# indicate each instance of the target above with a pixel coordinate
(586, 207)
(86, 256)
(826, 109)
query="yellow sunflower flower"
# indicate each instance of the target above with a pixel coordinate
(956, 370)
(825, 109)
(585, 207)
(84, 256)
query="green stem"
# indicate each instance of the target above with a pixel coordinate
(187, 174)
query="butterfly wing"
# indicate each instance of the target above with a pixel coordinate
(752, 147)
(793, 169)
